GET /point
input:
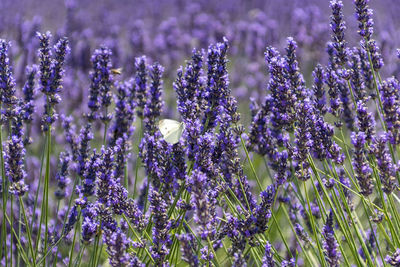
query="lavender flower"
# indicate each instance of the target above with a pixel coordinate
(338, 28)
(387, 170)
(124, 115)
(62, 175)
(364, 18)
(71, 220)
(161, 237)
(319, 91)
(133, 213)
(189, 86)
(100, 86)
(217, 84)
(303, 139)
(61, 50)
(121, 157)
(84, 147)
(360, 163)
(323, 145)
(366, 71)
(148, 153)
(90, 174)
(198, 190)
(376, 57)
(239, 259)
(51, 73)
(188, 247)
(29, 91)
(394, 259)
(70, 136)
(283, 96)
(389, 90)
(141, 89)
(356, 79)
(280, 165)
(105, 181)
(111, 194)
(370, 243)
(262, 212)
(331, 80)
(14, 155)
(302, 234)
(260, 136)
(117, 244)
(226, 155)
(202, 160)
(206, 254)
(365, 121)
(289, 263)
(154, 103)
(296, 79)
(178, 162)
(347, 105)
(118, 198)
(332, 253)
(89, 224)
(7, 82)
(268, 260)
(45, 55)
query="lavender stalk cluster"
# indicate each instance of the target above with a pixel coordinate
(338, 28)
(7, 82)
(100, 87)
(51, 71)
(150, 166)
(331, 244)
(360, 163)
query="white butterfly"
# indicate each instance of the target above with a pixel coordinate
(171, 130)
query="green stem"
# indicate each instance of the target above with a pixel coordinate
(312, 262)
(4, 195)
(317, 239)
(46, 188)
(344, 226)
(71, 252)
(19, 245)
(96, 244)
(50, 250)
(137, 163)
(12, 227)
(210, 247)
(251, 163)
(96, 263)
(281, 234)
(105, 134)
(39, 184)
(28, 231)
(138, 237)
(79, 257)
(19, 231)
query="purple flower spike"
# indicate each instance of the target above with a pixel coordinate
(332, 253)
(361, 164)
(394, 259)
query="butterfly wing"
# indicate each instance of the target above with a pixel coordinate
(171, 130)
(175, 135)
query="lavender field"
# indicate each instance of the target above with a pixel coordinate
(199, 133)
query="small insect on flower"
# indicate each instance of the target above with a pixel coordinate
(117, 71)
(171, 130)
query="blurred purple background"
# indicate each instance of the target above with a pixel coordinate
(166, 31)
